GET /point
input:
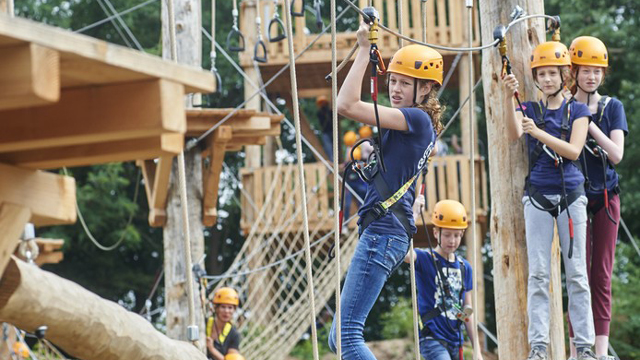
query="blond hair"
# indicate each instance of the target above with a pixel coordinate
(432, 106)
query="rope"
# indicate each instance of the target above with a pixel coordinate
(400, 21)
(100, 22)
(183, 187)
(86, 228)
(192, 144)
(336, 182)
(305, 216)
(472, 164)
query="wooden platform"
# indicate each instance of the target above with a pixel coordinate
(445, 23)
(71, 100)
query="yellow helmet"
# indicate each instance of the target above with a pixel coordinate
(588, 51)
(357, 153)
(233, 356)
(350, 138)
(418, 61)
(21, 349)
(365, 131)
(550, 53)
(226, 295)
(449, 214)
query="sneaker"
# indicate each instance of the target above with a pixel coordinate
(606, 357)
(586, 354)
(538, 353)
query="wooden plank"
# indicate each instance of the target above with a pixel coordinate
(102, 57)
(211, 176)
(457, 22)
(90, 115)
(431, 22)
(248, 140)
(453, 185)
(443, 37)
(432, 197)
(29, 76)
(13, 218)
(405, 17)
(100, 153)
(465, 184)
(51, 198)
(148, 168)
(158, 199)
(392, 17)
(415, 14)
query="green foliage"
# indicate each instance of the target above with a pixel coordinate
(625, 326)
(304, 348)
(398, 321)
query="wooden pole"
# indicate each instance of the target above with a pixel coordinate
(253, 153)
(188, 20)
(507, 169)
(80, 322)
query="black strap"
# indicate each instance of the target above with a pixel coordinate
(547, 204)
(602, 103)
(377, 212)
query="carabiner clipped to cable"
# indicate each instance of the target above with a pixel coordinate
(235, 33)
(382, 69)
(293, 12)
(281, 33)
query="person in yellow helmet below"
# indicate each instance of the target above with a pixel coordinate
(444, 282)
(222, 337)
(556, 130)
(386, 222)
(604, 149)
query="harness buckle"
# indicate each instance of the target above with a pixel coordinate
(378, 210)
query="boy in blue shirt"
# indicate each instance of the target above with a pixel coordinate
(444, 281)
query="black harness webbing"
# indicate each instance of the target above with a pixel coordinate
(435, 312)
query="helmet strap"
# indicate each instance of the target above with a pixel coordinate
(415, 91)
(589, 93)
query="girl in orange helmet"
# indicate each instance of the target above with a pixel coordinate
(222, 337)
(605, 148)
(411, 125)
(556, 130)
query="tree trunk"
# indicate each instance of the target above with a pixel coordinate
(188, 20)
(507, 169)
(80, 322)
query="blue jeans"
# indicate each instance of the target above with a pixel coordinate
(432, 349)
(375, 258)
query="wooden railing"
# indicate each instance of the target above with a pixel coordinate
(274, 198)
(445, 25)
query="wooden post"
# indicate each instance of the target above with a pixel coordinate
(188, 21)
(249, 13)
(508, 168)
(463, 83)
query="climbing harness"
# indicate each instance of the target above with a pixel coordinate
(377, 68)
(592, 147)
(541, 202)
(297, 13)
(260, 46)
(277, 22)
(235, 32)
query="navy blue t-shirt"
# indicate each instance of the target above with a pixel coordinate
(430, 294)
(405, 154)
(613, 118)
(545, 177)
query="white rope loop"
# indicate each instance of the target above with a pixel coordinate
(305, 217)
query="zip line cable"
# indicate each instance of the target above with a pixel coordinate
(124, 25)
(115, 25)
(100, 22)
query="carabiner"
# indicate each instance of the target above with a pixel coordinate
(293, 12)
(382, 69)
(552, 154)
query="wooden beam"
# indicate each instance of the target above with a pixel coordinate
(51, 198)
(29, 76)
(13, 218)
(67, 309)
(91, 154)
(90, 61)
(157, 175)
(211, 177)
(90, 115)
(248, 140)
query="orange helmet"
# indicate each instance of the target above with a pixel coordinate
(350, 138)
(449, 214)
(418, 61)
(322, 101)
(550, 53)
(365, 131)
(233, 356)
(588, 51)
(226, 295)
(21, 349)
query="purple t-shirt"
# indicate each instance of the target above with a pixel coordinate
(613, 118)
(405, 154)
(430, 294)
(545, 176)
